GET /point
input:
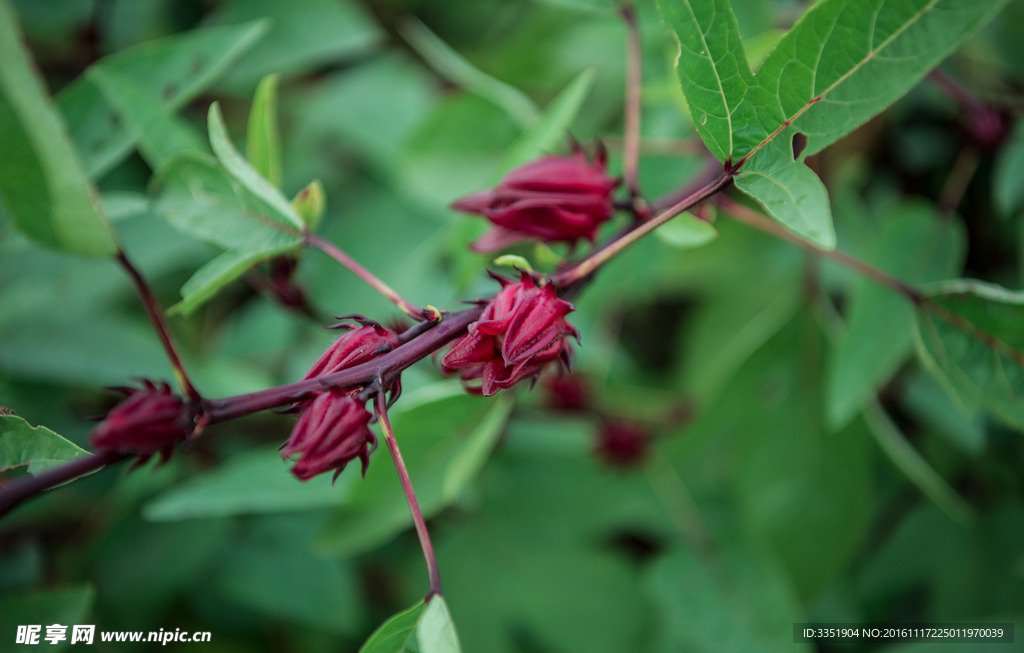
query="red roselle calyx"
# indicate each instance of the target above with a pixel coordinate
(554, 199)
(358, 344)
(151, 419)
(333, 427)
(332, 430)
(522, 329)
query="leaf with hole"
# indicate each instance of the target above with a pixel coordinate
(793, 196)
(843, 62)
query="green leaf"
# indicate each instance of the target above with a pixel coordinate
(43, 187)
(152, 124)
(68, 606)
(199, 199)
(173, 70)
(730, 602)
(263, 146)
(1008, 177)
(35, 446)
(444, 442)
(423, 628)
(804, 493)
(550, 512)
(218, 273)
(254, 482)
(395, 634)
(270, 570)
(280, 209)
(450, 64)
(686, 232)
(304, 35)
(969, 336)
(435, 632)
(794, 197)
(915, 467)
(843, 62)
(552, 127)
(711, 65)
(915, 245)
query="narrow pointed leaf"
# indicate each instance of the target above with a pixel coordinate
(199, 198)
(159, 133)
(969, 336)
(215, 275)
(450, 64)
(172, 70)
(552, 128)
(711, 65)
(264, 142)
(280, 208)
(43, 186)
(35, 446)
(914, 466)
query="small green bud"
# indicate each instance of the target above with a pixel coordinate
(310, 204)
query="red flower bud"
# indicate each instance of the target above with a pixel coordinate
(357, 345)
(150, 419)
(332, 430)
(333, 427)
(554, 199)
(521, 330)
(567, 392)
(622, 444)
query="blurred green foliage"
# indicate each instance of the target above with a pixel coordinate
(802, 465)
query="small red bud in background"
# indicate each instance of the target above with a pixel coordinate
(567, 392)
(150, 419)
(553, 199)
(622, 443)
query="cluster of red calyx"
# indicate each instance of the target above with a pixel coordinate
(333, 428)
(151, 419)
(521, 330)
(554, 199)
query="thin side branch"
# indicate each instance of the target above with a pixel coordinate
(369, 279)
(590, 264)
(634, 76)
(386, 366)
(433, 572)
(156, 318)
